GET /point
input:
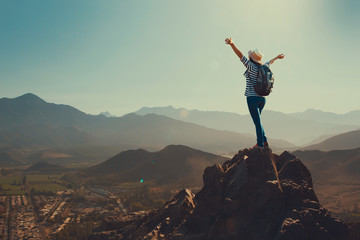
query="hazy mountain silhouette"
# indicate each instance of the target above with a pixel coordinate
(42, 135)
(346, 140)
(295, 128)
(174, 163)
(107, 114)
(30, 120)
(350, 118)
(157, 131)
(29, 109)
(319, 139)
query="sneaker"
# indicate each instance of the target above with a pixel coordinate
(256, 146)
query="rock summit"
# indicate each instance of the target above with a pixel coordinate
(257, 195)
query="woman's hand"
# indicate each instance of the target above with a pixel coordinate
(232, 45)
(280, 56)
(228, 41)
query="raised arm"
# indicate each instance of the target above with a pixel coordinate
(237, 51)
(280, 56)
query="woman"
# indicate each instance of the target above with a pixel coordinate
(255, 102)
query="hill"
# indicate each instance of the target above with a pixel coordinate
(174, 163)
(30, 121)
(291, 127)
(45, 167)
(346, 140)
(30, 109)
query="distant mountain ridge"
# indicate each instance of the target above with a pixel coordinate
(41, 135)
(30, 120)
(348, 140)
(107, 114)
(29, 109)
(350, 118)
(299, 128)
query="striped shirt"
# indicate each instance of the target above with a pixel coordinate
(251, 75)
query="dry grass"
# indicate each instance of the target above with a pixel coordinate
(338, 197)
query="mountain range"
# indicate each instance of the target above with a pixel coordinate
(350, 118)
(42, 135)
(30, 109)
(298, 128)
(29, 121)
(31, 126)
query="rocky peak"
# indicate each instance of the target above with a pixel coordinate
(255, 195)
(29, 98)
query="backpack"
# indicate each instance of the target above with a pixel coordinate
(265, 81)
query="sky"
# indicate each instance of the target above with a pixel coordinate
(119, 56)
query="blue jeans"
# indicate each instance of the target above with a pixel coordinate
(256, 105)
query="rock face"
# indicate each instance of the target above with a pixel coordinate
(255, 195)
(157, 224)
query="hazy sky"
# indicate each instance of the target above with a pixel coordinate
(119, 56)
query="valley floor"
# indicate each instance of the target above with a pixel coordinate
(340, 198)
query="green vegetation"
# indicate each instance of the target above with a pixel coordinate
(48, 187)
(11, 185)
(16, 184)
(46, 183)
(43, 177)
